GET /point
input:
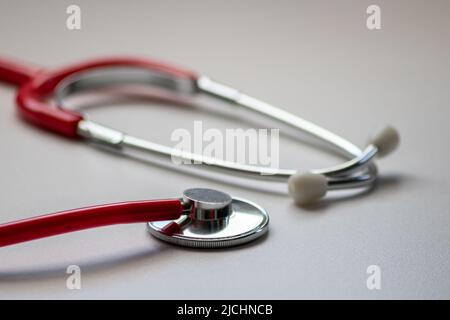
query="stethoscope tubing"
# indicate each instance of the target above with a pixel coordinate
(89, 217)
(35, 86)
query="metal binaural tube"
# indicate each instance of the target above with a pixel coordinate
(358, 171)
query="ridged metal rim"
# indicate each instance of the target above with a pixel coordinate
(224, 242)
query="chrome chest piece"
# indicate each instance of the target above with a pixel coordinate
(213, 219)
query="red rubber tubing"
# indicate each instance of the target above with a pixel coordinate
(15, 73)
(36, 85)
(86, 218)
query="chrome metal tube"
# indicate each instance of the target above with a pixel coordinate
(358, 171)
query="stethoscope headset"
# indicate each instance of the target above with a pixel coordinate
(201, 217)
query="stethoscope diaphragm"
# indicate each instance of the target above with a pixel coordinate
(215, 220)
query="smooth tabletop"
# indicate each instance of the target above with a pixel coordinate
(316, 59)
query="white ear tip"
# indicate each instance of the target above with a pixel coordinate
(307, 188)
(386, 141)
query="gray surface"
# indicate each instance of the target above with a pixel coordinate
(316, 59)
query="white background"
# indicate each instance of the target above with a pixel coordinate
(316, 59)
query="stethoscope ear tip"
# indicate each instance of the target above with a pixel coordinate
(386, 141)
(307, 188)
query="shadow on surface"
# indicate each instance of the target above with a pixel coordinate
(385, 183)
(106, 264)
(101, 264)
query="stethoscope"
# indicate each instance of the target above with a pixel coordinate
(37, 85)
(202, 218)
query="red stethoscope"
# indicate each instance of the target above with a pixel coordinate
(202, 217)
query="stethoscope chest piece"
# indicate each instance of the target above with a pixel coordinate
(214, 220)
